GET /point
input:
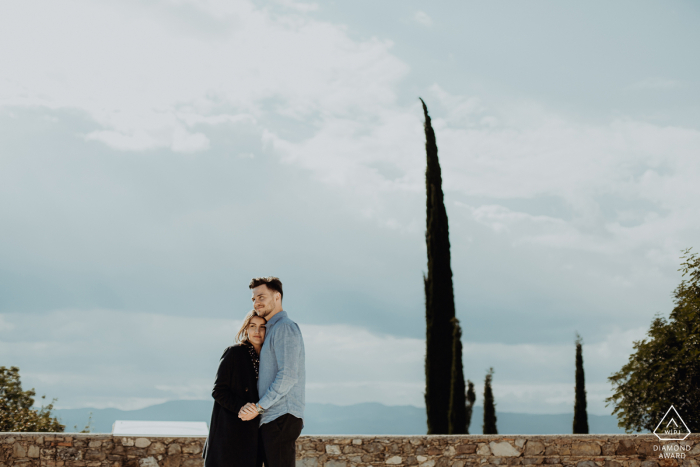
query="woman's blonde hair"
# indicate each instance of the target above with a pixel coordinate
(242, 336)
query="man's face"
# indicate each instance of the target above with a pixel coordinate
(264, 300)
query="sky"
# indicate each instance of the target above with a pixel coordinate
(156, 155)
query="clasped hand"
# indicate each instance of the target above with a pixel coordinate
(248, 412)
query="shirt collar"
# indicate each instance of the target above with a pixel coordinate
(277, 317)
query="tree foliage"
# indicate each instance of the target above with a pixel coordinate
(439, 295)
(580, 414)
(16, 412)
(458, 399)
(471, 398)
(664, 370)
(489, 427)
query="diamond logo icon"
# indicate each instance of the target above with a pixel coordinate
(672, 427)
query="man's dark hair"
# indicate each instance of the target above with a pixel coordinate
(272, 283)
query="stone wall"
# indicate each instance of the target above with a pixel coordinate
(104, 450)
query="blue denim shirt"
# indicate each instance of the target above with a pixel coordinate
(282, 378)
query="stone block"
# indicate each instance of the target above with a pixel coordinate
(551, 450)
(587, 464)
(156, 448)
(333, 449)
(503, 449)
(307, 462)
(127, 441)
(142, 442)
(193, 462)
(428, 463)
(394, 460)
(584, 449)
(534, 448)
(650, 464)
(695, 451)
(95, 443)
(336, 463)
(374, 448)
(33, 451)
(357, 441)
(626, 447)
(483, 450)
(172, 461)
(192, 449)
(148, 462)
(18, 450)
(443, 462)
(612, 463)
(174, 449)
(458, 463)
(647, 448)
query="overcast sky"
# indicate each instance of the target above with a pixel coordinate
(155, 155)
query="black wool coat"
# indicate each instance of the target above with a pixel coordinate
(233, 442)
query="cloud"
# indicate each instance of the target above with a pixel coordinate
(656, 83)
(80, 357)
(422, 18)
(150, 84)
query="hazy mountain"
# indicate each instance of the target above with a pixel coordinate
(367, 418)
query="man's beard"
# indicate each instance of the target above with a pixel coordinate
(266, 311)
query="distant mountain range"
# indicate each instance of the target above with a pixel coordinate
(328, 419)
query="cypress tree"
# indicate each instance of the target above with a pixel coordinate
(439, 296)
(471, 398)
(580, 415)
(489, 427)
(458, 403)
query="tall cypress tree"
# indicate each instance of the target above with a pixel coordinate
(457, 416)
(471, 398)
(439, 296)
(489, 427)
(580, 415)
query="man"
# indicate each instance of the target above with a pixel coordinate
(282, 378)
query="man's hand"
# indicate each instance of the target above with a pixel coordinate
(248, 412)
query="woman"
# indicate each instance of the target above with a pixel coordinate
(233, 442)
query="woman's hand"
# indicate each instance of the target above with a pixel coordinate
(248, 412)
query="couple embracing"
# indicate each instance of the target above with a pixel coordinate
(259, 389)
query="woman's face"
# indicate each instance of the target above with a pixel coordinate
(256, 330)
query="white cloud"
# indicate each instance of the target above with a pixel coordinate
(148, 83)
(656, 83)
(422, 18)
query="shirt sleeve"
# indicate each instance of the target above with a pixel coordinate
(287, 345)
